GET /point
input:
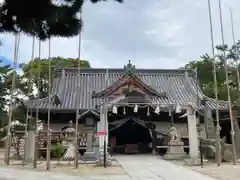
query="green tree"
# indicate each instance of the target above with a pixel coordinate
(4, 91)
(204, 68)
(38, 69)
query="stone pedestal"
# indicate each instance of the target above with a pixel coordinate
(193, 162)
(30, 146)
(100, 159)
(193, 137)
(175, 150)
(90, 154)
(90, 141)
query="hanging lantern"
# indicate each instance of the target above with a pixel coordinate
(148, 113)
(124, 110)
(178, 109)
(114, 109)
(157, 110)
(135, 108)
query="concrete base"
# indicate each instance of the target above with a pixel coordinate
(101, 163)
(175, 151)
(89, 156)
(100, 160)
(174, 156)
(193, 162)
(154, 152)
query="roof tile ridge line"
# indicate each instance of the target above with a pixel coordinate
(189, 84)
(138, 80)
(86, 111)
(149, 87)
(118, 81)
(168, 92)
(61, 84)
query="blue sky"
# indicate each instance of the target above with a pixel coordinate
(152, 33)
(6, 61)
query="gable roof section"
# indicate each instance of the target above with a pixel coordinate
(128, 79)
(73, 93)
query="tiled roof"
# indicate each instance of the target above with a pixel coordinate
(126, 78)
(180, 87)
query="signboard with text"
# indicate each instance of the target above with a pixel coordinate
(101, 133)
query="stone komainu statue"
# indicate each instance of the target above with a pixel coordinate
(175, 136)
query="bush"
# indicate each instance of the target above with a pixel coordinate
(58, 150)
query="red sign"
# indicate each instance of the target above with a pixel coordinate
(101, 133)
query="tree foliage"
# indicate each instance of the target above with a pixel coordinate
(3, 92)
(6, 77)
(42, 18)
(204, 68)
(25, 83)
(38, 69)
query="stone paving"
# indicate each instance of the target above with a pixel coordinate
(155, 168)
(137, 167)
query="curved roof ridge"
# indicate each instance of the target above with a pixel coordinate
(115, 85)
(202, 94)
(121, 70)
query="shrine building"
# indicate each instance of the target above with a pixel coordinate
(136, 99)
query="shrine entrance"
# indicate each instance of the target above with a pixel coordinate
(130, 138)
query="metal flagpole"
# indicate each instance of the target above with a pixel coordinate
(28, 114)
(232, 25)
(9, 136)
(78, 85)
(38, 97)
(105, 123)
(234, 43)
(227, 86)
(49, 106)
(218, 129)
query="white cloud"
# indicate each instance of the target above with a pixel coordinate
(154, 34)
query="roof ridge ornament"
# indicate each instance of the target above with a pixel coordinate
(130, 68)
